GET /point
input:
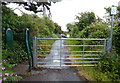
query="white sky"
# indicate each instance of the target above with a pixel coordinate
(64, 12)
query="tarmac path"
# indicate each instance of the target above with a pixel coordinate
(55, 72)
(57, 55)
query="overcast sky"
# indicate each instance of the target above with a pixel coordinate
(64, 12)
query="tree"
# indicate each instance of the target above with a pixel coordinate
(95, 30)
(73, 30)
(85, 19)
(40, 27)
(34, 6)
(57, 29)
(9, 20)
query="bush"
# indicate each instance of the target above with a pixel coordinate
(16, 56)
(95, 30)
(85, 19)
(7, 74)
(116, 39)
(109, 64)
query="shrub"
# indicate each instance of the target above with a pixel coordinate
(116, 39)
(109, 64)
(95, 30)
(7, 74)
(16, 56)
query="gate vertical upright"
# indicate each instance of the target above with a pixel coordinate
(34, 52)
(84, 57)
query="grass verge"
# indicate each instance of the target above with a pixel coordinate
(92, 74)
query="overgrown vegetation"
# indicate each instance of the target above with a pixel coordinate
(39, 27)
(88, 26)
(116, 39)
(108, 66)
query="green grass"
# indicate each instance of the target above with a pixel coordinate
(92, 74)
(107, 69)
(80, 48)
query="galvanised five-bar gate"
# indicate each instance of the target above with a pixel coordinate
(85, 52)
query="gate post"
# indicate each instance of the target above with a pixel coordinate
(28, 48)
(34, 52)
(9, 39)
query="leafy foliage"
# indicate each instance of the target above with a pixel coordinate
(40, 27)
(116, 30)
(57, 29)
(13, 21)
(7, 74)
(85, 19)
(18, 54)
(95, 30)
(109, 64)
(116, 33)
(31, 6)
(73, 30)
(116, 39)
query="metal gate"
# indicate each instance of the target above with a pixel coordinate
(61, 52)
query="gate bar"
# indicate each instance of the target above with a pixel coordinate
(65, 58)
(74, 55)
(69, 39)
(64, 65)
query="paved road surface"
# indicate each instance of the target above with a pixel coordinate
(56, 72)
(55, 75)
(56, 56)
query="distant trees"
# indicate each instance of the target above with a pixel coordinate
(58, 29)
(88, 26)
(73, 30)
(85, 19)
(95, 30)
